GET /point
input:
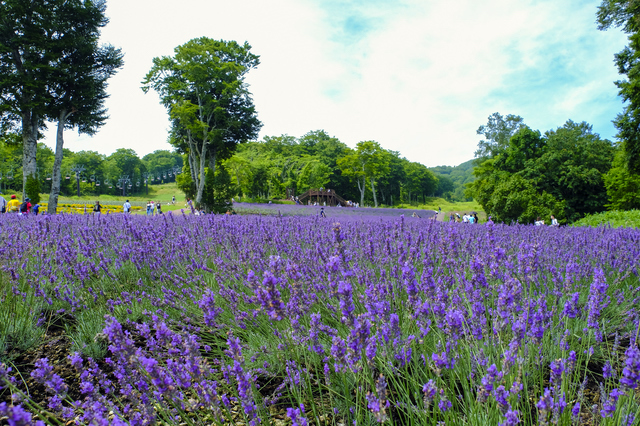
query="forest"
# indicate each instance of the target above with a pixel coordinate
(275, 167)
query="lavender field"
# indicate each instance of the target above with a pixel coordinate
(299, 320)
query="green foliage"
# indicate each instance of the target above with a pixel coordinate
(185, 183)
(497, 134)
(284, 166)
(573, 167)
(623, 188)
(453, 180)
(626, 14)
(516, 199)
(218, 191)
(203, 88)
(612, 218)
(560, 173)
(32, 189)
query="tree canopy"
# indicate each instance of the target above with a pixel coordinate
(561, 173)
(626, 15)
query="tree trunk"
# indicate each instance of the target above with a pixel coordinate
(373, 190)
(30, 147)
(201, 172)
(362, 188)
(56, 176)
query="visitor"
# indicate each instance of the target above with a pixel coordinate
(415, 215)
(465, 218)
(451, 217)
(475, 217)
(3, 204)
(25, 207)
(126, 207)
(159, 207)
(554, 221)
(472, 219)
(35, 209)
(13, 206)
(149, 208)
(322, 213)
(173, 199)
(539, 222)
(97, 208)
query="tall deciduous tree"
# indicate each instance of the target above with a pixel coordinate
(48, 50)
(497, 133)
(209, 103)
(79, 81)
(26, 53)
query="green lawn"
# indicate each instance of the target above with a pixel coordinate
(162, 193)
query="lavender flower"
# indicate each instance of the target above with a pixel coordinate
(297, 416)
(631, 373)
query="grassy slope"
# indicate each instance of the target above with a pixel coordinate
(615, 219)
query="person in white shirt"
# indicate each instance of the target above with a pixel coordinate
(554, 221)
(3, 204)
(126, 207)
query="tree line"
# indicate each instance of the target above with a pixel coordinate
(285, 166)
(89, 173)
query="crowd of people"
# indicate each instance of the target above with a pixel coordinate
(14, 205)
(465, 218)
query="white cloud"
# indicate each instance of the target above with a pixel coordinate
(418, 77)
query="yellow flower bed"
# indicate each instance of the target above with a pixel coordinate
(87, 208)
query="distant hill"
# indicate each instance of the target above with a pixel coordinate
(453, 180)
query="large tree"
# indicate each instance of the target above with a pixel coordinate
(367, 162)
(79, 81)
(209, 103)
(44, 48)
(626, 14)
(497, 133)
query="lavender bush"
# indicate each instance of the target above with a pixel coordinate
(346, 320)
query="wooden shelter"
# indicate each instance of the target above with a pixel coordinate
(322, 196)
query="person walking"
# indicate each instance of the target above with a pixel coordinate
(173, 199)
(35, 209)
(149, 208)
(159, 207)
(25, 207)
(126, 207)
(322, 213)
(13, 206)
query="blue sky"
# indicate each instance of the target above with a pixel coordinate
(419, 77)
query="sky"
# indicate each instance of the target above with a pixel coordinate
(417, 76)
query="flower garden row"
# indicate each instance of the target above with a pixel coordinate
(87, 208)
(264, 320)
